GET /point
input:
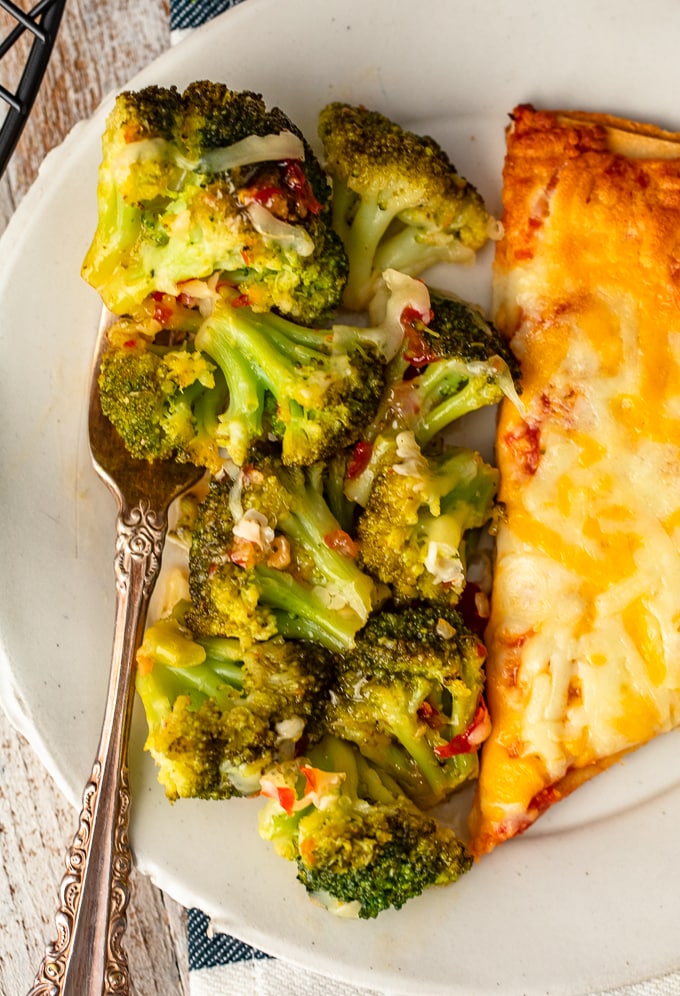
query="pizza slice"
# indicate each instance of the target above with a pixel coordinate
(584, 632)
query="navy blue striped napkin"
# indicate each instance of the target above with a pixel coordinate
(191, 13)
(221, 965)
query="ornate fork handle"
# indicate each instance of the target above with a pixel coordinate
(87, 958)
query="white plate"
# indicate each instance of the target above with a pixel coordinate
(590, 898)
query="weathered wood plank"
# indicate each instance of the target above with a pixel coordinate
(36, 825)
(99, 47)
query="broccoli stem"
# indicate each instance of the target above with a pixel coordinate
(446, 529)
(361, 779)
(361, 225)
(202, 664)
(333, 486)
(301, 613)
(243, 417)
(210, 405)
(120, 222)
(310, 524)
(419, 749)
(468, 486)
(447, 391)
(333, 754)
(270, 345)
(225, 655)
(409, 252)
(201, 682)
(207, 679)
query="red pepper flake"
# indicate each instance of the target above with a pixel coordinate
(165, 306)
(361, 457)
(130, 343)
(242, 301)
(244, 554)
(239, 558)
(287, 799)
(429, 715)
(296, 180)
(311, 778)
(284, 795)
(267, 196)
(341, 542)
(417, 351)
(526, 447)
(471, 740)
(544, 799)
(162, 315)
(307, 849)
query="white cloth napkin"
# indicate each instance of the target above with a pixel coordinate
(222, 965)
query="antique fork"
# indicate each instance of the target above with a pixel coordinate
(87, 958)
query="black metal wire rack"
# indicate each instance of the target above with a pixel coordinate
(42, 22)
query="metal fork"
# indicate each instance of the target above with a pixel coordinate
(87, 958)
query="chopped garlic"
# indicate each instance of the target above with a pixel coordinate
(293, 237)
(254, 528)
(444, 564)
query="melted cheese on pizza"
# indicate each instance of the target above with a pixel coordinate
(584, 633)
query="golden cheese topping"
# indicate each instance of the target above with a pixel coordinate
(584, 633)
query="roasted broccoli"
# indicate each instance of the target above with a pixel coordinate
(209, 180)
(420, 517)
(462, 364)
(235, 377)
(409, 695)
(398, 201)
(452, 362)
(313, 389)
(269, 557)
(165, 402)
(360, 845)
(219, 715)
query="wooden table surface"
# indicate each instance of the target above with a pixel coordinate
(101, 44)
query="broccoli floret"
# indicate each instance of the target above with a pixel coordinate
(398, 201)
(462, 363)
(219, 715)
(312, 388)
(315, 389)
(360, 845)
(211, 180)
(257, 375)
(452, 362)
(409, 695)
(269, 557)
(163, 401)
(420, 516)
